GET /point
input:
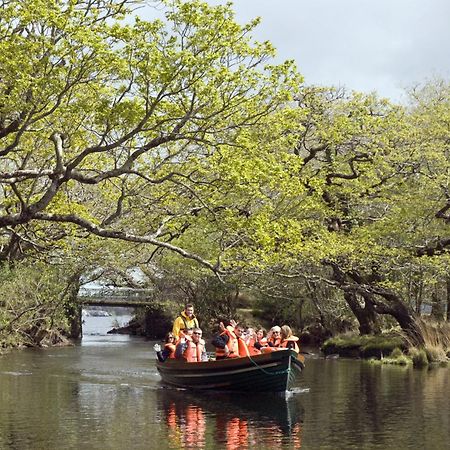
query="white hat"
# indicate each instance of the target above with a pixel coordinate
(276, 328)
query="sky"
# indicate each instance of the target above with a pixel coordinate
(385, 46)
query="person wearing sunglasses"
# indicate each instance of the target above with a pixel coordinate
(169, 348)
(192, 350)
(274, 337)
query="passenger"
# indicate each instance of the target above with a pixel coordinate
(192, 350)
(251, 342)
(229, 343)
(273, 340)
(260, 339)
(185, 320)
(288, 340)
(184, 333)
(226, 342)
(242, 346)
(273, 337)
(169, 348)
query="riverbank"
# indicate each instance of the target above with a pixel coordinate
(388, 348)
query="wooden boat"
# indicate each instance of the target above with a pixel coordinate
(268, 372)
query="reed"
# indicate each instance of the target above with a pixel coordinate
(436, 341)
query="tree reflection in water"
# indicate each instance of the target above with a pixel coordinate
(231, 421)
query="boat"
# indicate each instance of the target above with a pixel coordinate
(268, 372)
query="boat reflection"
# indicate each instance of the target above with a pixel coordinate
(199, 420)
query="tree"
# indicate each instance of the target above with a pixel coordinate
(123, 130)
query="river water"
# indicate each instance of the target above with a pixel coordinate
(105, 394)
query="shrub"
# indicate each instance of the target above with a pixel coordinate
(418, 357)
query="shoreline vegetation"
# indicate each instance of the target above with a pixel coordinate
(396, 347)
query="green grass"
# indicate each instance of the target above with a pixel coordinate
(362, 346)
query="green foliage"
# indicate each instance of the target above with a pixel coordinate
(364, 346)
(418, 356)
(32, 305)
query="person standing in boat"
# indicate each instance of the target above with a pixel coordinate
(288, 340)
(192, 350)
(186, 320)
(230, 343)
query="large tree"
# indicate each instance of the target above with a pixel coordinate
(131, 129)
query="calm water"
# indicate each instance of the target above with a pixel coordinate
(105, 394)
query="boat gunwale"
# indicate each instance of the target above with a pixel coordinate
(279, 357)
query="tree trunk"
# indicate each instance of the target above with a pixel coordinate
(437, 306)
(448, 299)
(73, 309)
(365, 315)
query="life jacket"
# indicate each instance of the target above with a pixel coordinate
(251, 347)
(184, 322)
(274, 341)
(193, 352)
(171, 348)
(290, 342)
(263, 342)
(242, 347)
(232, 345)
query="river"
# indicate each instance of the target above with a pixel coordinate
(105, 394)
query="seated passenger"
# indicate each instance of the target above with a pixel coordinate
(273, 337)
(168, 351)
(184, 333)
(288, 340)
(252, 342)
(229, 343)
(260, 339)
(169, 348)
(191, 350)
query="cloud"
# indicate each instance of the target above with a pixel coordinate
(367, 45)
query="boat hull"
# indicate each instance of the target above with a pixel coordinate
(271, 372)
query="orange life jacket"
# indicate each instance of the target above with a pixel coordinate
(274, 341)
(294, 340)
(171, 348)
(242, 348)
(232, 345)
(193, 352)
(251, 347)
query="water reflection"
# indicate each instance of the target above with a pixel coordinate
(231, 421)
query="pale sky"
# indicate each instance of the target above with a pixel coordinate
(365, 45)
